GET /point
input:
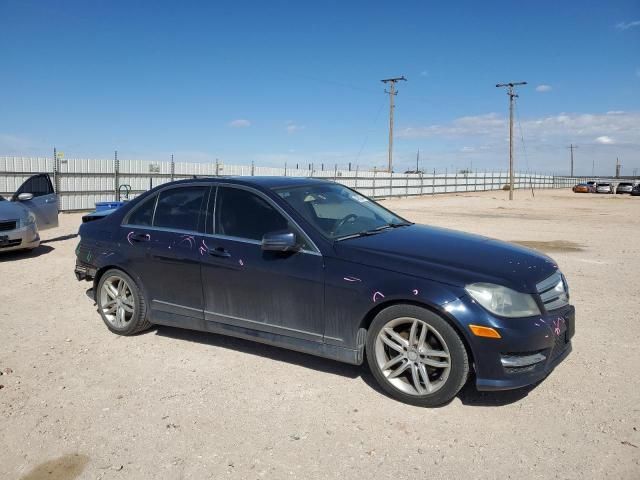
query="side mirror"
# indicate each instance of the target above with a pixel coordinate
(23, 197)
(280, 242)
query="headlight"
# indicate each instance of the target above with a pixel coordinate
(26, 221)
(502, 300)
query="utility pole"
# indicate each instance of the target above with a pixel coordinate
(618, 168)
(512, 95)
(392, 93)
(418, 161)
(572, 147)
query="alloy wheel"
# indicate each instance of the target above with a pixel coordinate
(412, 356)
(117, 302)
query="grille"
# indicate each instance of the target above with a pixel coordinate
(11, 243)
(6, 225)
(553, 291)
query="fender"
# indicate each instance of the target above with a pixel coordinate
(355, 293)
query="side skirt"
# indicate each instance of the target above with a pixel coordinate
(341, 354)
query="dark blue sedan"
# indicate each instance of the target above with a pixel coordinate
(316, 267)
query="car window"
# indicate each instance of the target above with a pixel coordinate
(243, 214)
(143, 213)
(179, 208)
(38, 185)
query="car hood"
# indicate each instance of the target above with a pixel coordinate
(449, 256)
(12, 210)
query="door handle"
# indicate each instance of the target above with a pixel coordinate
(140, 237)
(219, 252)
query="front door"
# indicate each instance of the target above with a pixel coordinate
(244, 286)
(44, 203)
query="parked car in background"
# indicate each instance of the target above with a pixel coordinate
(581, 188)
(592, 186)
(636, 190)
(33, 207)
(313, 266)
(604, 188)
(624, 187)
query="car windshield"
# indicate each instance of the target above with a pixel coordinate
(1, 198)
(625, 184)
(339, 212)
(603, 185)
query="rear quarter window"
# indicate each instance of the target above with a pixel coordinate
(143, 213)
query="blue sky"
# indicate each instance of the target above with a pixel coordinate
(299, 82)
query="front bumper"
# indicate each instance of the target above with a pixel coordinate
(528, 350)
(19, 239)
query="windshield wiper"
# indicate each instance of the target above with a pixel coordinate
(393, 225)
(363, 233)
(380, 229)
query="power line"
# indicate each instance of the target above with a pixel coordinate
(366, 137)
(392, 93)
(510, 86)
(524, 148)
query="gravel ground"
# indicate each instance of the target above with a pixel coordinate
(80, 402)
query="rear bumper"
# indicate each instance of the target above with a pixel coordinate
(84, 272)
(19, 239)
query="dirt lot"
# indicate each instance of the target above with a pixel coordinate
(80, 401)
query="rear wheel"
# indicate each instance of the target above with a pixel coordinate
(416, 356)
(121, 303)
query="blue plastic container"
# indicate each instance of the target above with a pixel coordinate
(100, 206)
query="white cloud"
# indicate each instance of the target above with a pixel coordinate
(240, 123)
(628, 25)
(485, 139)
(604, 140)
(543, 88)
(576, 127)
(11, 144)
(292, 127)
(424, 73)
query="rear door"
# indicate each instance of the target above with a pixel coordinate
(172, 271)
(44, 203)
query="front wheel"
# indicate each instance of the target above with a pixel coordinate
(416, 356)
(121, 303)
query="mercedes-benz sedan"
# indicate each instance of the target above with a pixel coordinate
(316, 267)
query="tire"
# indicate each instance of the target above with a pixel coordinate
(121, 303)
(446, 365)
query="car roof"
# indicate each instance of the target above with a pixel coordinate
(264, 182)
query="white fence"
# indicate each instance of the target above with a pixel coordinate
(81, 183)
